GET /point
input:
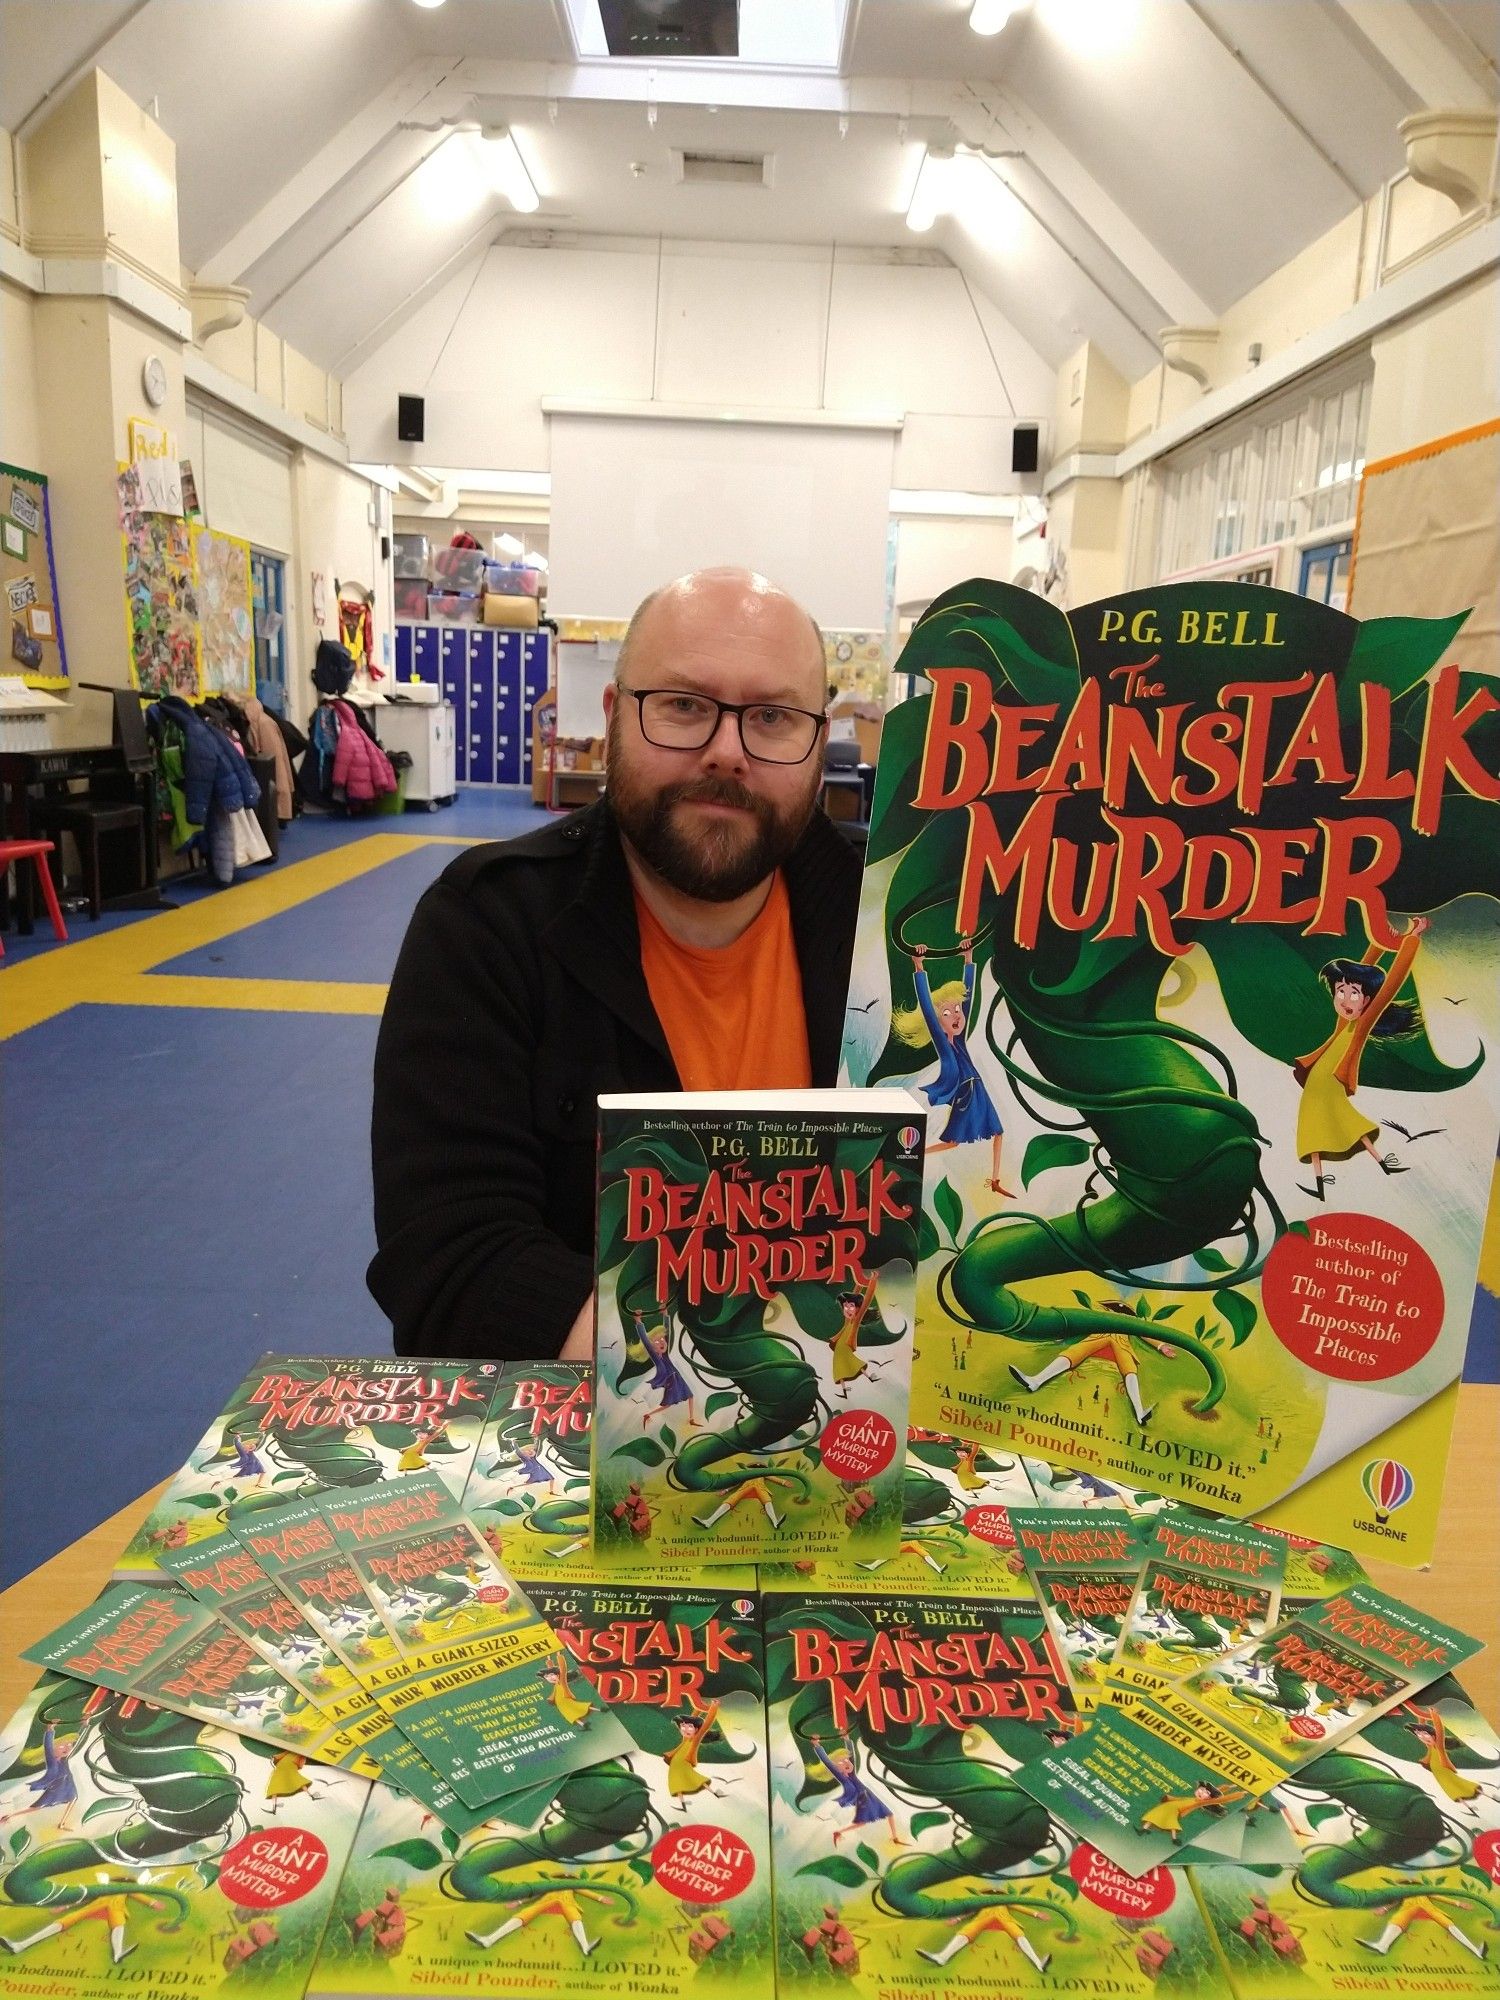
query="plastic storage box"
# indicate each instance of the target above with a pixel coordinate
(453, 608)
(459, 570)
(512, 580)
(411, 557)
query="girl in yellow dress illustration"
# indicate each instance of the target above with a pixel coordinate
(571, 1707)
(1168, 1815)
(683, 1776)
(1330, 1125)
(848, 1363)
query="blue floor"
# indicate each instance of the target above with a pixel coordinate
(185, 1187)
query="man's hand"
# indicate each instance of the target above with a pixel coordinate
(579, 1345)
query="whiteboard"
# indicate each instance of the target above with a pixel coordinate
(637, 501)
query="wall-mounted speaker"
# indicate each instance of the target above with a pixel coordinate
(410, 415)
(1024, 441)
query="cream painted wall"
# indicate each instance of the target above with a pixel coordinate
(251, 354)
(334, 536)
(10, 214)
(931, 556)
(20, 427)
(100, 179)
(754, 331)
(1438, 372)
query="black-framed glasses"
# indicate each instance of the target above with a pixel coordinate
(772, 733)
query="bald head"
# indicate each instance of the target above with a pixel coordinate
(702, 609)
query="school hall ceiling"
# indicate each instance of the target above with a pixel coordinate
(1119, 165)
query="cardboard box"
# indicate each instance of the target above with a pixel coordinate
(518, 614)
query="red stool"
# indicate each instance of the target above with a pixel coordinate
(37, 851)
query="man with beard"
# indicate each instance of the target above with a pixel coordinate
(691, 931)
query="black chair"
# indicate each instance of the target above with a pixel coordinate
(843, 787)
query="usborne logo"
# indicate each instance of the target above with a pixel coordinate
(908, 1138)
(1388, 1484)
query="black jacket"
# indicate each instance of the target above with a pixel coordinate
(517, 999)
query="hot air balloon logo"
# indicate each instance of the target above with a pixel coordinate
(1388, 1485)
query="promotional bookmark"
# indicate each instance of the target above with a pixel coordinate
(1083, 1564)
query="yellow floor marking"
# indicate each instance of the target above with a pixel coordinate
(99, 970)
(272, 996)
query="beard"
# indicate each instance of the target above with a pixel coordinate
(713, 863)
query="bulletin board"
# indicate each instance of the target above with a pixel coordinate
(33, 620)
(161, 598)
(226, 618)
(1427, 540)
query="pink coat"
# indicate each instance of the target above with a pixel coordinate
(359, 766)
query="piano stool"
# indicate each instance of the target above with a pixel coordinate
(87, 820)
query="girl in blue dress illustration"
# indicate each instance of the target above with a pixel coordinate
(942, 1017)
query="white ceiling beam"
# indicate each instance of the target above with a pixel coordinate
(734, 86)
(1402, 34)
(329, 167)
(1103, 217)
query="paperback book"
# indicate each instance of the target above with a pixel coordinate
(756, 1265)
(146, 1852)
(909, 1864)
(1180, 909)
(1393, 1890)
(528, 1492)
(298, 1423)
(649, 1872)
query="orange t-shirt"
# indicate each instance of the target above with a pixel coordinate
(732, 1016)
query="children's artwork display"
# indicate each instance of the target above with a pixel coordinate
(757, 1255)
(161, 594)
(225, 617)
(1180, 910)
(28, 575)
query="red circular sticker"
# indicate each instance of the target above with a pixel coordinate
(492, 1593)
(272, 1866)
(702, 1864)
(1487, 1853)
(1354, 1298)
(1307, 1726)
(856, 1444)
(991, 1524)
(1104, 1882)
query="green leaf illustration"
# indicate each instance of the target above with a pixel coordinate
(922, 1821)
(950, 1208)
(20, 1840)
(721, 1399)
(869, 1857)
(669, 1437)
(928, 1240)
(837, 1868)
(418, 1854)
(646, 1451)
(1240, 1313)
(1211, 1260)
(204, 1499)
(640, 1868)
(1052, 1149)
(1318, 1815)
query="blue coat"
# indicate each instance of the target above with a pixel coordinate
(214, 772)
(958, 1084)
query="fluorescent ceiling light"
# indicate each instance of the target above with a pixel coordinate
(951, 505)
(501, 162)
(446, 180)
(929, 196)
(427, 3)
(990, 16)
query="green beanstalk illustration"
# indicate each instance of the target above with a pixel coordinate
(565, 1514)
(998, 1829)
(1175, 1156)
(605, 1807)
(729, 1340)
(181, 1795)
(1400, 1822)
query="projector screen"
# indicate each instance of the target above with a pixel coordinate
(639, 500)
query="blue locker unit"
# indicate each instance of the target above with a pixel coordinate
(451, 647)
(403, 652)
(482, 707)
(425, 652)
(535, 664)
(508, 708)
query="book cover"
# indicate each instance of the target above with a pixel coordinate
(756, 1263)
(300, 1422)
(528, 1492)
(1082, 1565)
(1393, 1893)
(1206, 1586)
(648, 1873)
(1181, 910)
(144, 1852)
(908, 1862)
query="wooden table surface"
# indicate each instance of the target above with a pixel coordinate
(1462, 1586)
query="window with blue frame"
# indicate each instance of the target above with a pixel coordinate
(268, 595)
